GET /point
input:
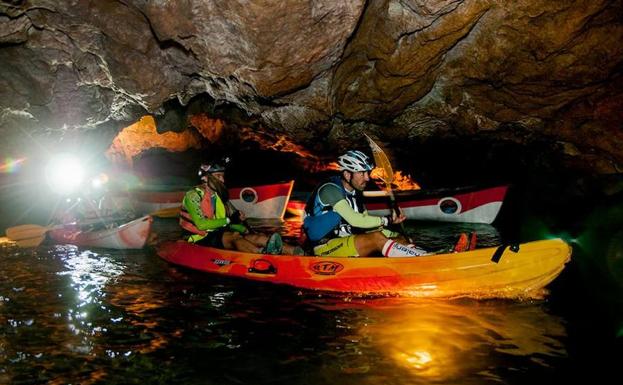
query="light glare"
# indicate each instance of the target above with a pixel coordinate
(64, 173)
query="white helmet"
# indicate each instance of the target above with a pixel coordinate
(355, 161)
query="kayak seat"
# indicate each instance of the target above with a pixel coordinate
(465, 243)
(472, 241)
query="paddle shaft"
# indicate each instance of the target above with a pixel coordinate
(31, 235)
(394, 207)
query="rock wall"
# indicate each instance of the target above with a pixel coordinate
(324, 71)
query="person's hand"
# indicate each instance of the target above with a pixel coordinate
(243, 217)
(239, 228)
(396, 219)
(393, 219)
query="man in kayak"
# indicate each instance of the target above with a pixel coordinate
(337, 223)
(211, 219)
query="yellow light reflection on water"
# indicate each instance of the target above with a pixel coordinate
(441, 341)
(418, 359)
(424, 347)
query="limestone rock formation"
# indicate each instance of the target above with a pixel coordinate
(324, 70)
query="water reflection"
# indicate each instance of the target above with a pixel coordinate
(89, 274)
(439, 235)
(425, 341)
(69, 315)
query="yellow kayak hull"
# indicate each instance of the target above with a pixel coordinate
(524, 273)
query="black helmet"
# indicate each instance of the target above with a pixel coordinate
(212, 167)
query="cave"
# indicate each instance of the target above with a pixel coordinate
(501, 89)
(525, 94)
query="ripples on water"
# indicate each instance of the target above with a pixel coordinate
(71, 315)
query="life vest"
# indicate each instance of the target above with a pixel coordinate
(320, 219)
(211, 207)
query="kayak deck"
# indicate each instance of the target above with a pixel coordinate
(130, 235)
(473, 274)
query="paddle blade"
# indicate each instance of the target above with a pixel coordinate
(381, 161)
(25, 232)
(30, 242)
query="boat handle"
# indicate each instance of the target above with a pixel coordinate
(262, 266)
(514, 247)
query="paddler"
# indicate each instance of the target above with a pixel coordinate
(337, 223)
(211, 220)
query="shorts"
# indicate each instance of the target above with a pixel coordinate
(337, 247)
(344, 246)
(214, 239)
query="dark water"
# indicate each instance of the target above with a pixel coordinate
(70, 315)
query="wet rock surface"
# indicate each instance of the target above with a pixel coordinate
(324, 72)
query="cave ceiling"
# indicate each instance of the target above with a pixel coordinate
(322, 71)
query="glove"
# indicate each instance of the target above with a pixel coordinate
(388, 220)
(239, 228)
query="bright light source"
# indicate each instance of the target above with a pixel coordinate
(64, 173)
(99, 181)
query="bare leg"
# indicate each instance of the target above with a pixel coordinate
(257, 239)
(235, 241)
(401, 239)
(261, 239)
(370, 243)
(253, 243)
(290, 249)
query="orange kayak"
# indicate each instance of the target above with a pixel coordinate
(523, 273)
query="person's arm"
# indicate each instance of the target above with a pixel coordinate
(355, 219)
(236, 219)
(332, 195)
(393, 218)
(192, 203)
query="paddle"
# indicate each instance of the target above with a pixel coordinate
(32, 235)
(382, 161)
(28, 235)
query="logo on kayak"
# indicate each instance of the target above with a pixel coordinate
(327, 267)
(221, 262)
